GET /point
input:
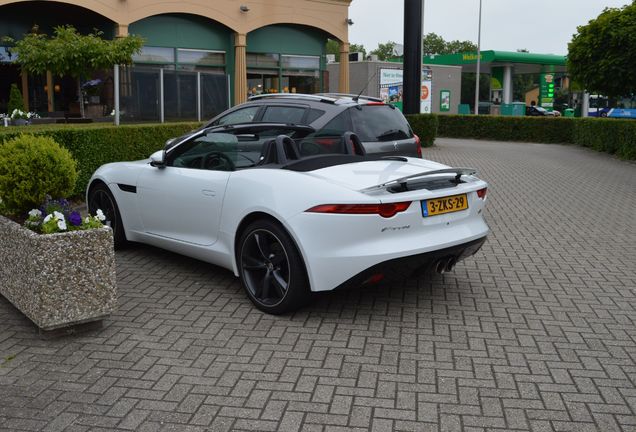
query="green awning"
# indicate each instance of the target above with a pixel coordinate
(521, 61)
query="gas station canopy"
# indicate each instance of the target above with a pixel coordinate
(521, 62)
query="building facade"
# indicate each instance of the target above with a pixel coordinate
(368, 78)
(199, 56)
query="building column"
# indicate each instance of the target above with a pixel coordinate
(121, 30)
(343, 83)
(240, 68)
(25, 90)
(50, 91)
(507, 85)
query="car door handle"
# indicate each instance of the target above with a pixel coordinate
(208, 192)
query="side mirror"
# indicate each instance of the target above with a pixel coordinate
(158, 159)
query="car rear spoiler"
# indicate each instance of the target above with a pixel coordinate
(458, 172)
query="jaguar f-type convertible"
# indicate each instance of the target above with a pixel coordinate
(292, 211)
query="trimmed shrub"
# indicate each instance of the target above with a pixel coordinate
(425, 126)
(95, 145)
(15, 100)
(612, 136)
(500, 128)
(32, 167)
(608, 135)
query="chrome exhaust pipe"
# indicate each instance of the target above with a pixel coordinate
(450, 265)
(440, 266)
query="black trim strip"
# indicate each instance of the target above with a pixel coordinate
(127, 188)
(401, 268)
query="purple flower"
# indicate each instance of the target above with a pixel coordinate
(75, 218)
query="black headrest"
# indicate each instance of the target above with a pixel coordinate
(279, 151)
(353, 145)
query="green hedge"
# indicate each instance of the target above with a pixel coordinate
(424, 126)
(612, 136)
(500, 128)
(607, 135)
(96, 145)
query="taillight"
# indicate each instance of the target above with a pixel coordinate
(481, 193)
(384, 210)
(418, 143)
(375, 104)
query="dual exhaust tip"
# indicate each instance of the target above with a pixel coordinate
(445, 265)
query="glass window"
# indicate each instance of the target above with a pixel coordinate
(244, 115)
(295, 82)
(337, 126)
(314, 114)
(379, 123)
(214, 95)
(300, 62)
(6, 56)
(154, 55)
(262, 60)
(263, 81)
(284, 114)
(209, 152)
(200, 57)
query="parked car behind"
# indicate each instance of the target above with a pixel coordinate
(536, 111)
(381, 127)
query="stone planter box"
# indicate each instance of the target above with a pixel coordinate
(58, 280)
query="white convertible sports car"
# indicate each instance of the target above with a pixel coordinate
(291, 211)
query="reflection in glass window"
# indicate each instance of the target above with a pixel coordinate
(200, 57)
(262, 60)
(307, 82)
(154, 55)
(301, 62)
(281, 114)
(243, 115)
(6, 56)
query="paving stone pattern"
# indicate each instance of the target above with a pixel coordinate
(535, 333)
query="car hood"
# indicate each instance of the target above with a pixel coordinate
(361, 175)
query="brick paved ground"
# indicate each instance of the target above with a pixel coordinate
(535, 333)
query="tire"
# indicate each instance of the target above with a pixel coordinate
(100, 197)
(271, 268)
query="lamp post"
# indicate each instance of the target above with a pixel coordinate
(478, 63)
(413, 14)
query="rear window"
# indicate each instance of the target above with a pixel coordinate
(379, 123)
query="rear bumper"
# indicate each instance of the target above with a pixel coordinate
(399, 268)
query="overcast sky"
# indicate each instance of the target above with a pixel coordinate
(541, 26)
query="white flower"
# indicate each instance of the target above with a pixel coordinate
(48, 218)
(100, 215)
(58, 215)
(87, 219)
(61, 225)
(35, 213)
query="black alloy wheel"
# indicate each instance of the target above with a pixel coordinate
(100, 198)
(271, 269)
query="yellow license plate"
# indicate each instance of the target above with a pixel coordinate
(450, 204)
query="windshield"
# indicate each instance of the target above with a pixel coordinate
(379, 123)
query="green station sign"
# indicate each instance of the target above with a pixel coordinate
(546, 91)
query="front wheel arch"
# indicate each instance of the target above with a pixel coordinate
(119, 234)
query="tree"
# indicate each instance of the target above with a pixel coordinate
(69, 53)
(333, 47)
(600, 55)
(384, 51)
(15, 100)
(433, 43)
